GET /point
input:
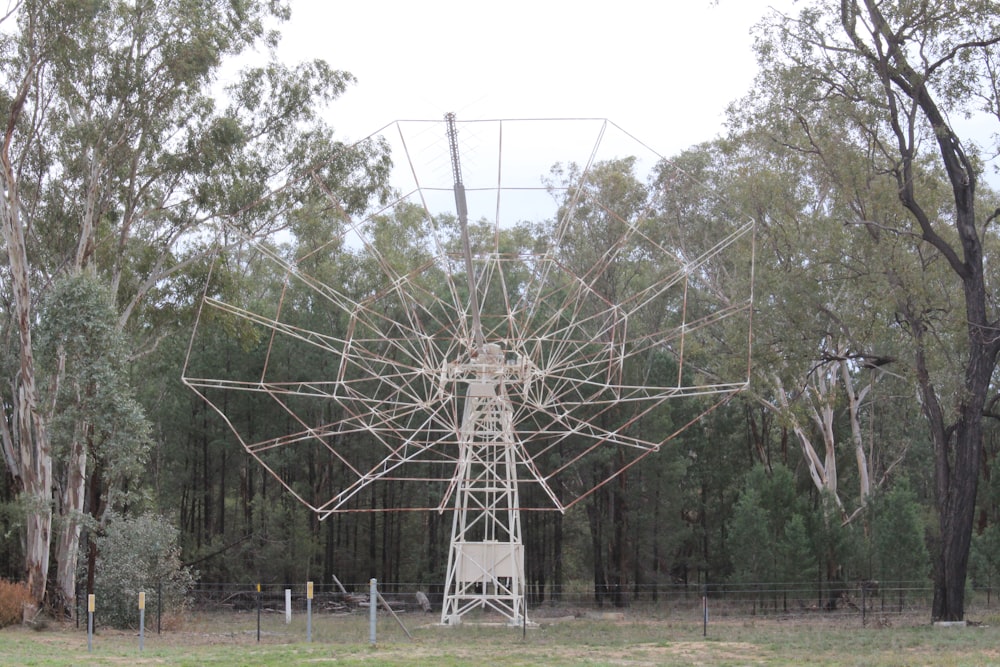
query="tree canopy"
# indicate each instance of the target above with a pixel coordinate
(132, 186)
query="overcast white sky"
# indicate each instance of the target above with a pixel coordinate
(663, 70)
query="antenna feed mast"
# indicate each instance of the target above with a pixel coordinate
(462, 209)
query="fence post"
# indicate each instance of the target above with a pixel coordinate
(159, 604)
(372, 609)
(864, 603)
(309, 611)
(90, 623)
(142, 619)
(258, 612)
(704, 610)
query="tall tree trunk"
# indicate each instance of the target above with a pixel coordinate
(28, 443)
(957, 445)
(619, 546)
(557, 557)
(71, 501)
(595, 517)
(95, 505)
(221, 511)
(38, 524)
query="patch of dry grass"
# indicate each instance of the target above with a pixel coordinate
(628, 640)
(13, 599)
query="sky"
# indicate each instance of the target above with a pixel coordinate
(663, 70)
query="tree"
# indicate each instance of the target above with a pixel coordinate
(798, 557)
(98, 432)
(896, 73)
(140, 554)
(898, 538)
(752, 543)
(118, 161)
(770, 532)
(27, 453)
(812, 346)
(986, 558)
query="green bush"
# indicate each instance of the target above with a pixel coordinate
(135, 555)
(13, 597)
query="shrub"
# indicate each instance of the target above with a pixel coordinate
(13, 597)
(139, 554)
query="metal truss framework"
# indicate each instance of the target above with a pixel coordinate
(479, 376)
(486, 556)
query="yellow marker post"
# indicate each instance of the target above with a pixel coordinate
(142, 619)
(90, 622)
(258, 613)
(309, 611)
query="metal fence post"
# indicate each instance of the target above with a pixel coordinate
(372, 609)
(309, 611)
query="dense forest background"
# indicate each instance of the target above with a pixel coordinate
(864, 448)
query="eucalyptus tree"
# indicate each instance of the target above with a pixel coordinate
(825, 336)
(818, 341)
(98, 432)
(891, 77)
(119, 161)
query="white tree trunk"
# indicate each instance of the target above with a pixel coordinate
(854, 401)
(71, 504)
(29, 437)
(820, 393)
(34, 458)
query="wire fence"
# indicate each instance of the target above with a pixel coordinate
(864, 602)
(339, 612)
(335, 613)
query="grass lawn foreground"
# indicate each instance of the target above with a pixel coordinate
(217, 639)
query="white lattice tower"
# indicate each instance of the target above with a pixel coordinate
(486, 556)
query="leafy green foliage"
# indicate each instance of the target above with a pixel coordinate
(797, 552)
(751, 544)
(775, 538)
(96, 408)
(121, 163)
(900, 550)
(863, 93)
(135, 555)
(985, 557)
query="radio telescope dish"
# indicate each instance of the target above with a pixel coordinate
(503, 336)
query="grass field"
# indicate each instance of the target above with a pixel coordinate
(614, 640)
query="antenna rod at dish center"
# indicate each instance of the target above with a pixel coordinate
(462, 208)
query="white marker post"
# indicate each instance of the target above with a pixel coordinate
(90, 623)
(288, 606)
(309, 611)
(142, 619)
